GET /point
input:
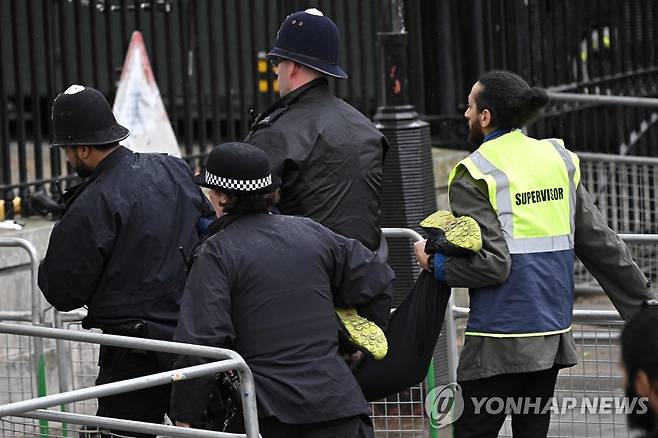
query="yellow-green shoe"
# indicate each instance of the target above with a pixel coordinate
(438, 219)
(363, 333)
(452, 237)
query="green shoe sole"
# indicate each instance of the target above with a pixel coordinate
(364, 334)
(451, 236)
(438, 219)
(464, 232)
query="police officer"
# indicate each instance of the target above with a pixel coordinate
(116, 248)
(265, 285)
(327, 154)
(535, 216)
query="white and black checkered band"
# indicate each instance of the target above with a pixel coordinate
(243, 185)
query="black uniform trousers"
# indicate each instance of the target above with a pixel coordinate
(483, 425)
(271, 427)
(149, 404)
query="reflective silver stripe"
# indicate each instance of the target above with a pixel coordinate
(503, 196)
(571, 170)
(540, 244)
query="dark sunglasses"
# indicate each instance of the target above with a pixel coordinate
(274, 61)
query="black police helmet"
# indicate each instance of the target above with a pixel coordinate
(311, 39)
(82, 116)
(238, 168)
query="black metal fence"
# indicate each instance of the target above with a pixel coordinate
(205, 56)
(585, 46)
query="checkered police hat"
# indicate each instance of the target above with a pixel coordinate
(238, 168)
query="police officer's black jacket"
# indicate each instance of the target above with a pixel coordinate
(267, 286)
(115, 249)
(329, 158)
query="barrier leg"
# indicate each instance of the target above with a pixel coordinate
(430, 385)
(451, 339)
(38, 359)
(41, 390)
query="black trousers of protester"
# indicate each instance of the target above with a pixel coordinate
(271, 427)
(483, 425)
(149, 404)
(412, 333)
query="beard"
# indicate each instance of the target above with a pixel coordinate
(80, 168)
(82, 171)
(475, 135)
(645, 422)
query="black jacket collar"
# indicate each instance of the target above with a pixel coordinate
(317, 86)
(219, 224)
(110, 161)
(320, 84)
(66, 199)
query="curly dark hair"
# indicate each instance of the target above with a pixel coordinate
(509, 98)
(250, 203)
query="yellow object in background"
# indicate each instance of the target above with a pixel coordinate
(264, 78)
(264, 86)
(16, 206)
(262, 66)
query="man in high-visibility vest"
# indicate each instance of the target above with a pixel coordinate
(535, 217)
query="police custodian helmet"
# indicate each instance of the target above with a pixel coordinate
(82, 117)
(311, 39)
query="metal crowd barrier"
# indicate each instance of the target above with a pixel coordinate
(597, 374)
(22, 361)
(398, 416)
(77, 362)
(402, 415)
(35, 311)
(226, 360)
(603, 99)
(623, 188)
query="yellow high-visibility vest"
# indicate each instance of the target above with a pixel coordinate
(532, 188)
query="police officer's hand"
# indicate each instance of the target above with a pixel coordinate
(421, 256)
(182, 424)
